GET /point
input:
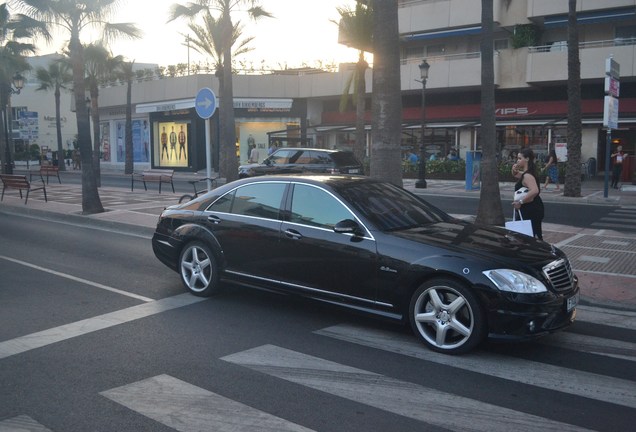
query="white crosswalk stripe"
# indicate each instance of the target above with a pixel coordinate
(403, 398)
(598, 387)
(188, 408)
(606, 317)
(21, 424)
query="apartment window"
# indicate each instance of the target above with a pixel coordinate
(625, 35)
(435, 50)
(414, 52)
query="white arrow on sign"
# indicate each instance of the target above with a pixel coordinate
(205, 103)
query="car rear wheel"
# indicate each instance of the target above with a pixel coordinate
(447, 317)
(199, 270)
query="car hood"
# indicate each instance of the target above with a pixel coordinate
(490, 242)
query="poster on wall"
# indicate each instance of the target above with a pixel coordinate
(561, 150)
(141, 141)
(120, 127)
(105, 141)
(171, 144)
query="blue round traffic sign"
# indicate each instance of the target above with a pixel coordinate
(205, 103)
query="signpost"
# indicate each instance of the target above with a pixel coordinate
(610, 111)
(205, 105)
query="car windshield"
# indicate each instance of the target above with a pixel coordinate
(391, 208)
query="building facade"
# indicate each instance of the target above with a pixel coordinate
(302, 107)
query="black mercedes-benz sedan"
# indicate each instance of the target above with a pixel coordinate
(371, 246)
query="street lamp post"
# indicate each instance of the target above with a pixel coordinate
(421, 182)
(18, 84)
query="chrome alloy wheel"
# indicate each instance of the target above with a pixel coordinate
(446, 317)
(198, 269)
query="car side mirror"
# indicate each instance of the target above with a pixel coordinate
(267, 162)
(347, 226)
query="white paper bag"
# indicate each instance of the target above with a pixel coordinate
(522, 226)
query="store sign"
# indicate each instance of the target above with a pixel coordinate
(263, 104)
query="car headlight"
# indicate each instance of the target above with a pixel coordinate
(515, 281)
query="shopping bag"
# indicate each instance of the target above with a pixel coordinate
(520, 194)
(522, 226)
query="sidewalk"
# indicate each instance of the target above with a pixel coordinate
(603, 260)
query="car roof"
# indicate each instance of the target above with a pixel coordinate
(312, 148)
(335, 180)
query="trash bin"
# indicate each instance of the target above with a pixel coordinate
(591, 167)
(473, 170)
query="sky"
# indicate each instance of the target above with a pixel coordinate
(300, 33)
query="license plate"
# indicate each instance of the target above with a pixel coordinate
(572, 302)
(354, 171)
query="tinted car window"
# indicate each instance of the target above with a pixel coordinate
(344, 158)
(258, 200)
(315, 207)
(281, 157)
(391, 208)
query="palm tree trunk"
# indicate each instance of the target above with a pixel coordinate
(229, 162)
(386, 163)
(61, 160)
(573, 167)
(90, 195)
(94, 113)
(490, 211)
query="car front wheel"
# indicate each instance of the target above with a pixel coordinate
(199, 270)
(447, 317)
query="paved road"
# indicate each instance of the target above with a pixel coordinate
(97, 335)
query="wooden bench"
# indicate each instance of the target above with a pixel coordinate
(47, 170)
(153, 175)
(20, 182)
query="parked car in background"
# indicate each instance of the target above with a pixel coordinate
(298, 160)
(370, 246)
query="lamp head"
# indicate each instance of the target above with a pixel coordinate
(424, 67)
(18, 82)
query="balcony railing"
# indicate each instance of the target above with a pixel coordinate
(563, 45)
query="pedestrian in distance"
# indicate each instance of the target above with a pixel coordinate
(617, 165)
(530, 206)
(552, 170)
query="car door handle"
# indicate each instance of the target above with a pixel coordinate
(293, 234)
(214, 219)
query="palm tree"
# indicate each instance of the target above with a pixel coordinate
(573, 166)
(357, 26)
(56, 77)
(73, 17)
(127, 74)
(13, 28)
(386, 102)
(100, 66)
(489, 211)
(224, 9)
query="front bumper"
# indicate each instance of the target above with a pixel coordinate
(519, 319)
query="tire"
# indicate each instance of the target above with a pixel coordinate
(447, 317)
(199, 270)
(185, 198)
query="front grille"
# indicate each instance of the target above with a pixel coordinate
(560, 275)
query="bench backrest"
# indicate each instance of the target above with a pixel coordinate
(49, 168)
(15, 181)
(159, 172)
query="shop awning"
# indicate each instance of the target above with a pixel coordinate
(443, 34)
(591, 17)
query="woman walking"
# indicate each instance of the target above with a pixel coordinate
(530, 206)
(552, 171)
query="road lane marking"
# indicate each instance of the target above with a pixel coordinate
(188, 408)
(403, 398)
(592, 344)
(21, 423)
(606, 317)
(77, 279)
(79, 328)
(571, 381)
